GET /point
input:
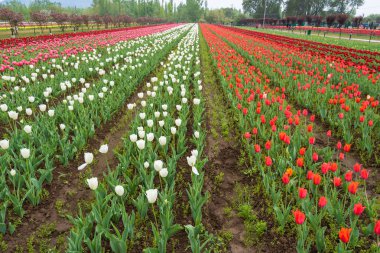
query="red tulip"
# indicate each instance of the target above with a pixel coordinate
(315, 157)
(302, 151)
(333, 167)
(339, 145)
(341, 115)
(347, 148)
(267, 145)
(247, 135)
(245, 111)
(312, 140)
(268, 161)
(257, 148)
(341, 156)
(285, 178)
(254, 130)
(322, 202)
(328, 133)
(325, 168)
(377, 228)
(317, 179)
(300, 162)
(348, 176)
(344, 234)
(364, 174)
(302, 192)
(299, 217)
(358, 209)
(309, 175)
(361, 118)
(353, 187)
(357, 167)
(370, 123)
(337, 181)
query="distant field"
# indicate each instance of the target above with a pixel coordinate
(362, 45)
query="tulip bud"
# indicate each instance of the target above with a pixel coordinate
(152, 195)
(88, 158)
(93, 183)
(4, 144)
(150, 137)
(133, 137)
(163, 172)
(13, 172)
(25, 153)
(162, 140)
(119, 190)
(140, 144)
(103, 149)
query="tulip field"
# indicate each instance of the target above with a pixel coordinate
(188, 138)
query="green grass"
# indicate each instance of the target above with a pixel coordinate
(361, 45)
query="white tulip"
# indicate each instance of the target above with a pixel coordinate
(140, 144)
(88, 158)
(4, 144)
(173, 130)
(62, 126)
(165, 114)
(70, 107)
(101, 95)
(130, 106)
(150, 137)
(178, 122)
(143, 103)
(152, 195)
(164, 107)
(194, 170)
(146, 165)
(19, 108)
(28, 129)
(149, 122)
(191, 160)
(194, 152)
(91, 97)
(13, 115)
(142, 115)
(162, 140)
(13, 172)
(196, 134)
(164, 172)
(4, 107)
(31, 99)
(184, 100)
(196, 101)
(103, 149)
(158, 164)
(157, 114)
(93, 183)
(25, 153)
(141, 134)
(42, 107)
(28, 111)
(140, 95)
(133, 137)
(51, 113)
(119, 190)
(178, 107)
(161, 123)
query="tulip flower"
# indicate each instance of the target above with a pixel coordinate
(322, 202)
(300, 162)
(357, 167)
(337, 181)
(191, 160)
(158, 165)
(163, 172)
(299, 217)
(162, 140)
(285, 179)
(358, 209)
(348, 176)
(257, 148)
(247, 135)
(344, 234)
(93, 183)
(119, 190)
(302, 192)
(196, 134)
(133, 137)
(13, 115)
(364, 174)
(376, 229)
(12, 172)
(25, 153)
(140, 144)
(4, 144)
(317, 179)
(268, 161)
(152, 195)
(353, 187)
(103, 149)
(194, 170)
(309, 175)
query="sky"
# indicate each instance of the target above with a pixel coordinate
(369, 7)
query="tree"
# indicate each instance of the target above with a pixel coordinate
(193, 10)
(40, 17)
(13, 18)
(255, 8)
(330, 19)
(61, 19)
(345, 6)
(341, 19)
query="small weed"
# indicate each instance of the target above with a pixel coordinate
(227, 211)
(218, 180)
